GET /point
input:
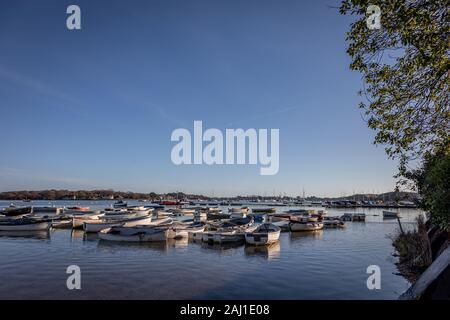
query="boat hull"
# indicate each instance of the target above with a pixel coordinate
(261, 239)
(295, 226)
(96, 226)
(37, 226)
(225, 237)
(390, 215)
(155, 236)
(77, 222)
(14, 212)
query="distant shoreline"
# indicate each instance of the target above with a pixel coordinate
(385, 200)
(108, 194)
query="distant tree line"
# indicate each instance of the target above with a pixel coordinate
(88, 195)
(108, 194)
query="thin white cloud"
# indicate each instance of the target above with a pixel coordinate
(39, 87)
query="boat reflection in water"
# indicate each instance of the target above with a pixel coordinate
(90, 236)
(268, 252)
(39, 234)
(76, 234)
(178, 243)
(114, 246)
(222, 249)
(298, 236)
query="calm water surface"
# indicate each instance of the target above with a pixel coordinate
(328, 264)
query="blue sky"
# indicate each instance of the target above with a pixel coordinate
(95, 108)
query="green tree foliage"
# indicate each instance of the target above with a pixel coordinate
(433, 184)
(406, 68)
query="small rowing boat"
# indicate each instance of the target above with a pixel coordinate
(120, 204)
(184, 231)
(47, 212)
(336, 223)
(222, 237)
(358, 217)
(264, 210)
(390, 215)
(79, 218)
(25, 224)
(100, 224)
(262, 234)
(133, 234)
(13, 211)
(296, 225)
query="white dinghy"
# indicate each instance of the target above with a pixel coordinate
(79, 218)
(97, 225)
(296, 225)
(25, 224)
(134, 234)
(263, 234)
(184, 231)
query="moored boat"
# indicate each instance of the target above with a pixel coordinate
(227, 236)
(13, 211)
(79, 218)
(238, 210)
(390, 215)
(264, 210)
(184, 231)
(120, 204)
(76, 209)
(100, 224)
(25, 224)
(133, 234)
(283, 225)
(47, 212)
(361, 217)
(336, 223)
(217, 216)
(296, 225)
(262, 234)
(200, 216)
(123, 214)
(62, 223)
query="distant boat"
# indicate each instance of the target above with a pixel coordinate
(75, 210)
(13, 211)
(283, 224)
(154, 206)
(356, 217)
(169, 203)
(264, 210)
(47, 212)
(361, 217)
(120, 204)
(238, 212)
(263, 234)
(390, 215)
(78, 208)
(201, 216)
(333, 223)
(217, 215)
